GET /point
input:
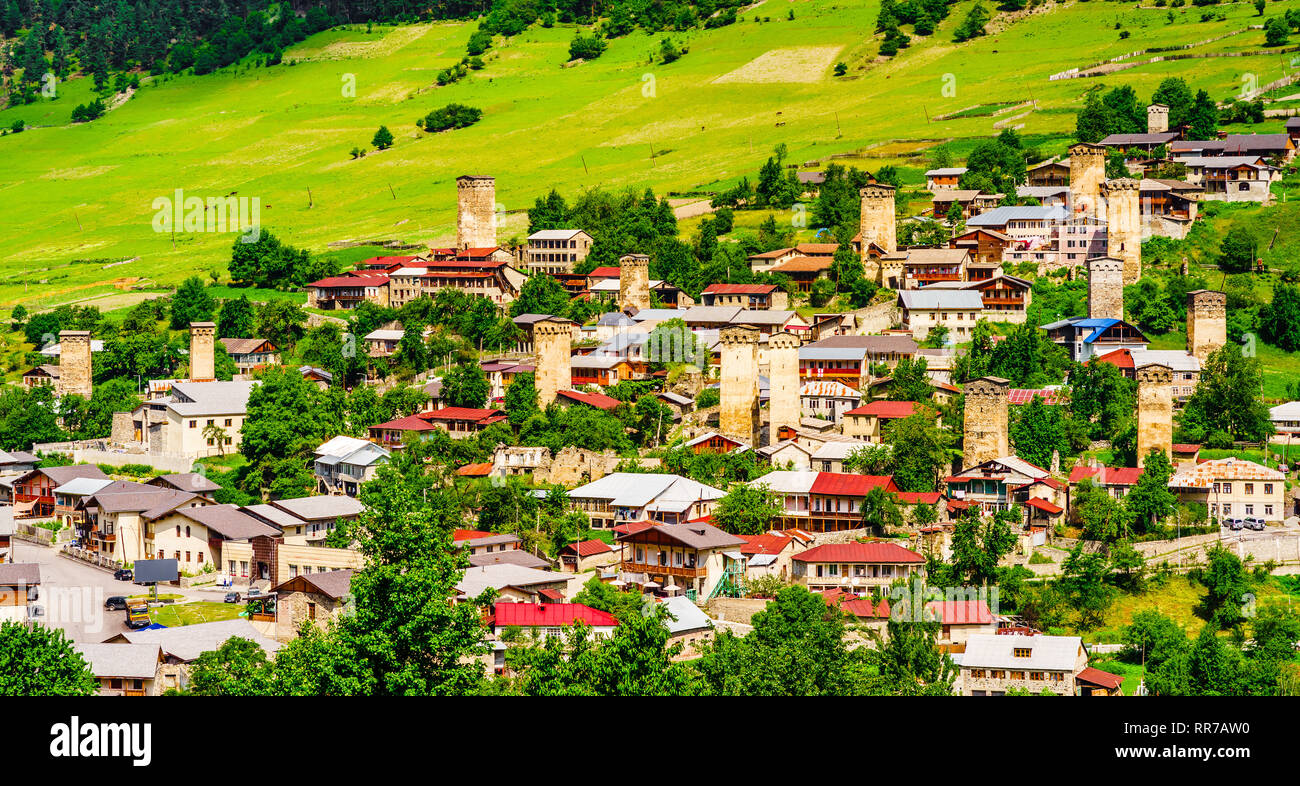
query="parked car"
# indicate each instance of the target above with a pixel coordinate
(1233, 524)
(232, 597)
(257, 594)
(124, 574)
(115, 603)
(35, 610)
(1255, 523)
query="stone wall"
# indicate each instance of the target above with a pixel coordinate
(738, 395)
(1105, 288)
(74, 364)
(634, 282)
(1087, 172)
(985, 423)
(476, 218)
(1124, 225)
(1207, 324)
(784, 405)
(1155, 411)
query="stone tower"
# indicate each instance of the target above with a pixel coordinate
(1157, 119)
(784, 406)
(75, 370)
(1124, 225)
(984, 437)
(551, 339)
(1207, 325)
(1155, 411)
(476, 212)
(1087, 171)
(1105, 288)
(633, 282)
(203, 365)
(876, 221)
(738, 417)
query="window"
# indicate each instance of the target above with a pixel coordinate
(187, 556)
(187, 531)
(977, 673)
(1250, 489)
(1036, 675)
(115, 684)
(1017, 675)
(293, 571)
(200, 557)
(194, 424)
(311, 611)
(1021, 652)
(1268, 488)
(1268, 510)
(1227, 488)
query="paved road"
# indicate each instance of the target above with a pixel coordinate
(73, 594)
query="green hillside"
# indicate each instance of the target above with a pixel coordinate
(79, 197)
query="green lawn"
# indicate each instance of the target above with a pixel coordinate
(195, 612)
(282, 134)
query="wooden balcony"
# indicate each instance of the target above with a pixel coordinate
(663, 570)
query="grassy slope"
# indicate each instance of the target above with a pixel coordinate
(85, 191)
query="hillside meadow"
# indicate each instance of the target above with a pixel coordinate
(79, 198)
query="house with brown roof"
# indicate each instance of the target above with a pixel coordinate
(250, 354)
(315, 598)
(347, 291)
(19, 585)
(926, 266)
(47, 375)
(985, 247)
(124, 669)
(457, 421)
(1233, 488)
(33, 491)
(804, 270)
(692, 556)
(770, 554)
(856, 567)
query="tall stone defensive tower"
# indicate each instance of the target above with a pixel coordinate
(1157, 119)
(1087, 171)
(1124, 225)
(75, 369)
(876, 221)
(633, 282)
(1105, 288)
(738, 417)
(1155, 411)
(1207, 322)
(784, 405)
(203, 364)
(476, 211)
(984, 436)
(552, 340)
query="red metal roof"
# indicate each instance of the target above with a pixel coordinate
(1185, 447)
(764, 544)
(632, 527)
(1025, 395)
(597, 400)
(1043, 505)
(363, 280)
(538, 615)
(844, 484)
(388, 261)
(604, 272)
(961, 612)
(740, 289)
(1107, 476)
(475, 470)
(1098, 677)
(408, 423)
(1120, 357)
(886, 409)
(461, 413)
(862, 608)
(587, 548)
(470, 534)
(875, 551)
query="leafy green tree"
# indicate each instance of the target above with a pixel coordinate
(880, 511)
(748, 510)
(521, 399)
(236, 318)
(972, 25)
(1084, 579)
(280, 322)
(1228, 399)
(383, 138)
(191, 303)
(1226, 585)
(1238, 250)
(27, 416)
(1203, 118)
(36, 660)
(979, 543)
(1150, 501)
(1279, 321)
(1037, 432)
(540, 295)
(465, 386)
(1102, 516)
(921, 451)
(239, 667)
(908, 660)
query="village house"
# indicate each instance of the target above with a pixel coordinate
(1086, 337)
(544, 620)
(623, 497)
(182, 645)
(33, 491)
(868, 422)
(804, 270)
(970, 201)
(46, 375)
(458, 422)
(713, 442)
(836, 499)
(827, 399)
(19, 585)
(991, 485)
(849, 359)
(955, 309)
(787, 454)
(943, 178)
(69, 496)
(986, 247)
(769, 554)
(251, 354)
(1231, 178)
(992, 665)
(1049, 173)
(750, 296)
(833, 454)
(1185, 366)
(687, 625)
(317, 598)
(602, 370)
(925, 266)
(195, 419)
(555, 251)
(477, 542)
(855, 566)
(346, 292)
(124, 669)
(514, 583)
(7, 530)
(1116, 481)
(585, 555)
(688, 556)
(343, 463)
(1232, 487)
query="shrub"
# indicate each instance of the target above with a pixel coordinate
(449, 117)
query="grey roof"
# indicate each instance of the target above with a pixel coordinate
(80, 487)
(1223, 162)
(554, 234)
(279, 518)
(321, 507)
(948, 170)
(13, 574)
(187, 481)
(61, 475)
(149, 501)
(1047, 653)
(495, 539)
(676, 398)
(711, 314)
(658, 314)
(615, 319)
(477, 579)
(210, 398)
(130, 661)
(856, 347)
(838, 450)
(1161, 138)
(913, 299)
(509, 557)
(187, 642)
(229, 521)
(999, 216)
(784, 481)
(759, 316)
(17, 457)
(332, 584)
(687, 616)
(638, 489)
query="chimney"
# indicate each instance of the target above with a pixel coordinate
(202, 362)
